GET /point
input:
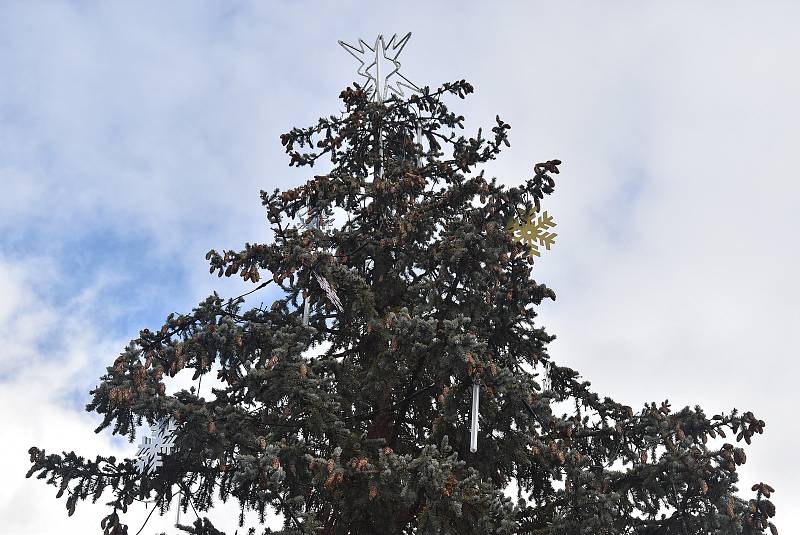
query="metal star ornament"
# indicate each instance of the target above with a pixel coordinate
(379, 65)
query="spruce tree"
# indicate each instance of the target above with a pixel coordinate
(372, 435)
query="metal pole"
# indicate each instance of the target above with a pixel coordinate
(316, 222)
(380, 88)
(380, 153)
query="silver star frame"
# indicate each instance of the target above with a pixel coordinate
(379, 64)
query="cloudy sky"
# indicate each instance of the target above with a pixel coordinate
(134, 137)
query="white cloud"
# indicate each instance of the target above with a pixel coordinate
(35, 385)
(37, 408)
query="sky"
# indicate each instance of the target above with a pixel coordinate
(134, 137)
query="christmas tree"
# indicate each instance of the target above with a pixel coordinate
(410, 273)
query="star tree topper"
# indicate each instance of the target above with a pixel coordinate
(379, 64)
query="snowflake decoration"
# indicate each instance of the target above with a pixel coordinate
(379, 64)
(330, 292)
(533, 231)
(310, 219)
(152, 449)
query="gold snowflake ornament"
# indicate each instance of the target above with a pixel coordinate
(533, 231)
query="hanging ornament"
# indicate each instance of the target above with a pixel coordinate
(547, 383)
(473, 432)
(306, 309)
(152, 449)
(330, 292)
(532, 231)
